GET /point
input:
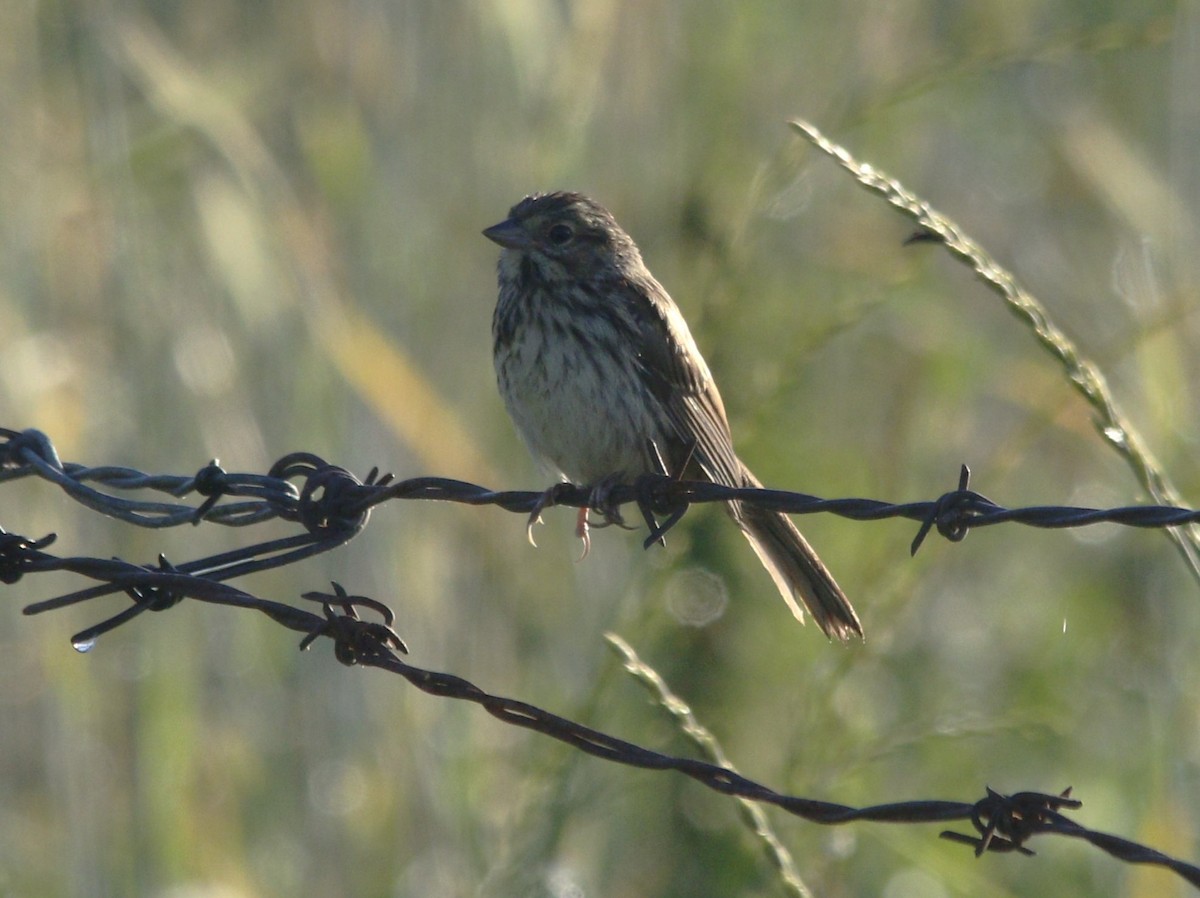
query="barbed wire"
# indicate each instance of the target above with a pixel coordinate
(333, 506)
(1002, 823)
(345, 501)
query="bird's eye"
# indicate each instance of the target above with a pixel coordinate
(560, 234)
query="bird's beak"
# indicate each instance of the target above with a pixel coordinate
(509, 234)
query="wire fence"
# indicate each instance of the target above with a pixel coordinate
(333, 506)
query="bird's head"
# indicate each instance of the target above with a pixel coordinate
(566, 236)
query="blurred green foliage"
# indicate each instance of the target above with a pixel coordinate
(240, 229)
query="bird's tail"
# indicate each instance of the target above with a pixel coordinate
(795, 567)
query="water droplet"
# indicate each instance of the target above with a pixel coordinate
(83, 646)
(1114, 435)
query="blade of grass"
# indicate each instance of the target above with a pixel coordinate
(1112, 425)
(753, 813)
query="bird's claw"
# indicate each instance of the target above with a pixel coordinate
(582, 532)
(546, 500)
(534, 518)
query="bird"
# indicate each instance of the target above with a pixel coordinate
(604, 382)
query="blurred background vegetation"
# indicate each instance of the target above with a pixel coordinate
(238, 230)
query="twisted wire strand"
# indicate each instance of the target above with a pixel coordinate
(333, 506)
(273, 495)
(1002, 823)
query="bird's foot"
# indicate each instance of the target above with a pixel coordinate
(600, 500)
(548, 499)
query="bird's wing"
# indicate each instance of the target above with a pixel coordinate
(678, 377)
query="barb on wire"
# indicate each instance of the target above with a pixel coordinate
(328, 504)
(334, 503)
(1003, 823)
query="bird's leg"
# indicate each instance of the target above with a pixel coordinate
(659, 467)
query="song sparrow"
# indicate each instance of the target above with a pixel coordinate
(601, 377)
